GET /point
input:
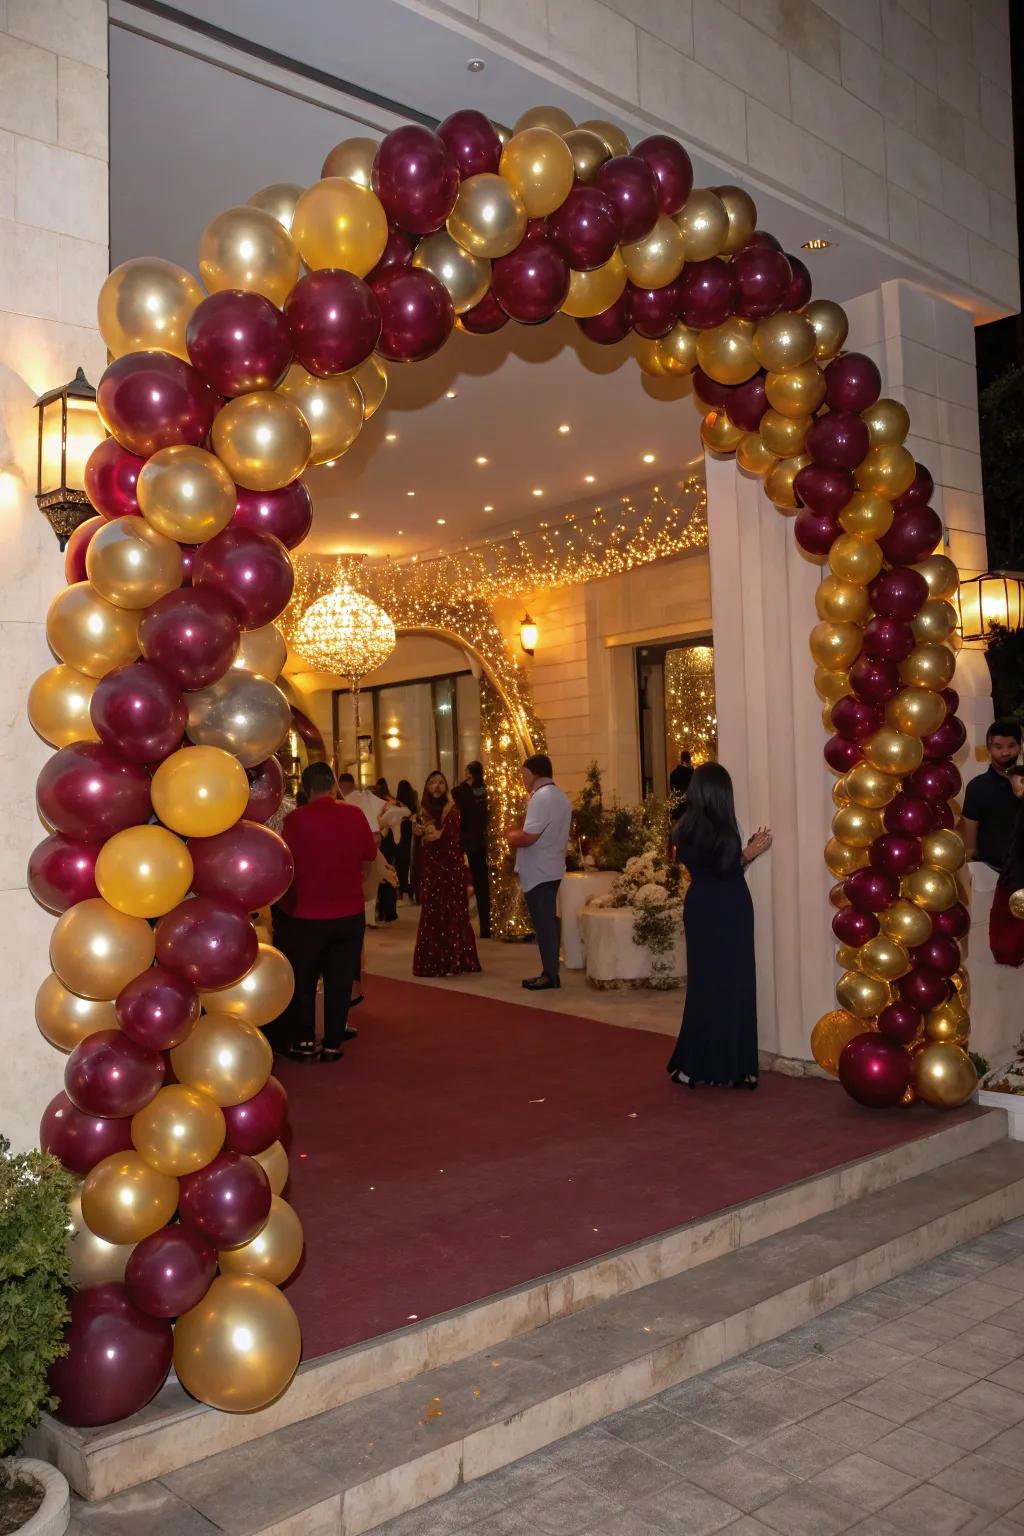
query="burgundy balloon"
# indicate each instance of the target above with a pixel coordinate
(334, 321)
(949, 738)
(908, 814)
(157, 1009)
(188, 555)
(536, 229)
(151, 400)
(938, 953)
(841, 755)
(635, 191)
(485, 317)
(936, 781)
(761, 237)
(871, 890)
(62, 871)
(111, 478)
(238, 342)
(80, 1140)
(875, 680)
(227, 1202)
(611, 325)
(211, 943)
(110, 1074)
(914, 534)
(249, 864)
(250, 571)
(471, 141)
(919, 492)
(816, 532)
(799, 291)
(853, 382)
(897, 853)
(888, 639)
(170, 1272)
(117, 1359)
(748, 403)
(416, 178)
(653, 311)
(707, 292)
(139, 712)
(923, 988)
(899, 593)
(531, 282)
(266, 790)
(287, 513)
(951, 699)
(74, 553)
(416, 314)
(856, 720)
(953, 923)
(397, 252)
(900, 1022)
(943, 816)
(824, 490)
(710, 391)
(851, 926)
(837, 440)
(874, 1070)
(586, 229)
(192, 635)
(762, 279)
(672, 167)
(88, 793)
(257, 1123)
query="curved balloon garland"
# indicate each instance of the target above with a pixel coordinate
(165, 715)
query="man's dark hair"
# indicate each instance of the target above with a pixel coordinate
(1007, 727)
(540, 765)
(475, 769)
(685, 759)
(318, 779)
(346, 778)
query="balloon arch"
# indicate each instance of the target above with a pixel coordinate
(165, 715)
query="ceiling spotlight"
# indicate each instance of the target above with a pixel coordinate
(441, 522)
(648, 458)
(589, 479)
(482, 459)
(354, 516)
(475, 66)
(391, 437)
(450, 394)
(537, 491)
(818, 244)
(410, 493)
(565, 427)
(488, 508)
(400, 532)
(329, 463)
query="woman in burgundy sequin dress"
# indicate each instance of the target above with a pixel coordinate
(445, 945)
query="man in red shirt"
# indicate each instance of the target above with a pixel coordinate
(323, 922)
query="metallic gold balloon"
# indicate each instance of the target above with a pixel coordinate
(944, 848)
(658, 258)
(962, 982)
(887, 470)
(857, 825)
(726, 353)
(887, 421)
(941, 574)
(489, 218)
(1017, 903)
(867, 517)
(145, 304)
(678, 350)
(837, 896)
(93, 1260)
(131, 564)
(243, 714)
(893, 751)
(588, 150)
(353, 159)
(371, 380)
(869, 787)
(783, 341)
(917, 711)
(831, 686)
(90, 634)
(278, 200)
(124, 1199)
(274, 1162)
(224, 1057)
(186, 494)
(779, 482)
(332, 409)
(704, 224)
(467, 278)
(907, 924)
(591, 292)
(830, 1035)
(884, 959)
(863, 996)
(239, 1348)
(552, 118)
(830, 327)
(262, 439)
(538, 164)
(931, 888)
(65, 1019)
(839, 795)
(263, 993)
(199, 791)
(855, 560)
(741, 211)
(844, 602)
(719, 434)
(96, 950)
(835, 646)
(503, 131)
(841, 859)
(847, 958)
(949, 1021)
(144, 871)
(338, 223)
(248, 248)
(784, 435)
(935, 621)
(263, 651)
(944, 1075)
(753, 456)
(614, 138)
(179, 1131)
(58, 706)
(273, 1253)
(796, 392)
(650, 361)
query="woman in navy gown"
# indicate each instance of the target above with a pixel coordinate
(718, 1039)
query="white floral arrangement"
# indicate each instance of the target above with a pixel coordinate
(654, 888)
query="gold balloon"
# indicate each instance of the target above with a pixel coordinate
(332, 410)
(929, 666)
(962, 982)
(844, 602)
(614, 138)
(741, 211)
(839, 794)
(887, 470)
(239, 1348)
(144, 871)
(941, 574)
(650, 360)
(199, 791)
(719, 434)
(908, 924)
(278, 200)
(753, 456)
(658, 258)
(90, 634)
(855, 560)
(224, 1057)
(262, 439)
(371, 379)
(944, 1075)
(554, 119)
(467, 278)
(857, 825)
(591, 292)
(353, 159)
(263, 993)
(263, 651)
(93, 1260)
(949, 1021)
(944, 848)
(145, 305)
(186, 493)
(65, 1020)
(338, 223)
(131, 564)
(538, 164)
(779, 482)
(96, 950)
(783, 341)
(887, 421)
(588, 150)
(125, 1200)
(244, 714)
(797, 391)
(847, 958)
(726, 353)
(867, 517)
(58, 706)
(489, 218)
(830, 327)
(830, 1035)
(831, 686)
(784, 435)
(917, 711)
(841, 859)
(274, 1162)
(502, 130)
(884, 958)
(248, 248)
(704, 224)
(835, 646)
(894, 751)
(179, 1131)
(274, 1252)
(863, 996)
(1017, 903)
(869, 787)
(933, 889)
(935, 621)
(678, 350)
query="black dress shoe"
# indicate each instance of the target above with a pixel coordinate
(542, 983)
(304, 1050)
(330, 1053)
(348, 1033)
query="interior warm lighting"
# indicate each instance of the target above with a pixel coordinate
(481, 459)
(410, 493)
(391, 437)
(537, 491)
(441, 522)
(488, 508)
(346, 633)
(528, 634)
(817, 244)
(354, 516)
(993, 599)
(69, 429)
(648, 458)
(589, 479)
(450, 394)
(565, 427)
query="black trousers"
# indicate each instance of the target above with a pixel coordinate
(542, 905)
(476, 858)
(328, 947)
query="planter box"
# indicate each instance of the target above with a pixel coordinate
(1013, 1103)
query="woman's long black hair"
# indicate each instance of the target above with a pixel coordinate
(708, 824)
(407, 796)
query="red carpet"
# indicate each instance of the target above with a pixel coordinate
(464, 1146)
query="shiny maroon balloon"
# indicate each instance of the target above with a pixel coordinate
(397, 252)
(151, 400)
(111, 478)
(334, 320)
(875, 680)
(257, 1123)
(170, 1272)
(62, 871)
(936, 781)
(672, 167)
(837, 440)
(117, 1360)
(227, 1202)
(266, 790)
(536, 229)
(914, 534)
(953, 923)
(901, 1023)
(586, 229)
(853, 382)
(110, 1074)
(416, 314)
(897, 853)
(416, 178)
(531, 282)
(761, 237)
(919, 492)
(710, 391)
(707, 293)
(841, 755)
(139, 712)
(898, 594)
(287, 513)
(763, 277)
(944, 818)
(874, 1070)
(157, 1009)
(923, 988)
(816, 532)
(485, 317)
(888, 639)
(951, 699)
(871, 890)
(799, 291)
(88, 793)
(471, 141)
(939, 953)
(74, 551)
(211, 943)
(949, 738)
(826, 491)
(248, 863)
(653, 311)
(250, 571)
(79, 1140)
(188, 555)
(611, 325)
(856, 720)
(239, 342)
(192, 635)
(854, 927)
(748, 403)
(634, 189)
(908, 814)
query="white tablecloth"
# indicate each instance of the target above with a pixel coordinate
(612, 957)
(575, 891)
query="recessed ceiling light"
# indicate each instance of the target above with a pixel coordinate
(482, 459)
(648, 458)
(590, 479)
(537, 491)
(441, 522)
(391, 437)
(354, 516)
(400, 532)
(329, 463)
(410, 493)
(818, 244)
(488, 508)
(450, 394)
(475, 66)
(565, 427)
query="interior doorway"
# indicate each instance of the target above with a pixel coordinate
(675, 691)
(408, 728)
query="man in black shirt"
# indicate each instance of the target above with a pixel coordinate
(471, 798)
(679, 783)
(990, 806)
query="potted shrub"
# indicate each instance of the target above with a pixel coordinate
(34, 1195)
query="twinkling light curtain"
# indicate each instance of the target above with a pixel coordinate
(690, 717)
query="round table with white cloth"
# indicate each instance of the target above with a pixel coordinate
(614, 960)
(574, 892)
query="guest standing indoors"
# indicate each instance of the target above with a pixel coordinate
(445, 945)
(406, 796)
(718, 1039)
(540, 862)
(471, 798)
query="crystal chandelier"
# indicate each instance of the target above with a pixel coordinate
(346, 633)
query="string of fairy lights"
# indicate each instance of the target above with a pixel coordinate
(691, 719)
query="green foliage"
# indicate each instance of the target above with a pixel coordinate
(588, 811)
(34, 1195)
(1005, 657)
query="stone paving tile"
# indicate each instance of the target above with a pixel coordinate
(149, 1508)
(870, 1358)
(743, 1480)
(929, 1511)
(851, 1425)
(691, 1446)
(864, 1482)
(648, 1421)
(566, 1507)
(890, 1399)
(686, 1510)
(908, 1450)
(627, 1475)
(808, 1511)
(799, 1451)
(984, 1484)
(991, 1400)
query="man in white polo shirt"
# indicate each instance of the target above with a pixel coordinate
(540, 845)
